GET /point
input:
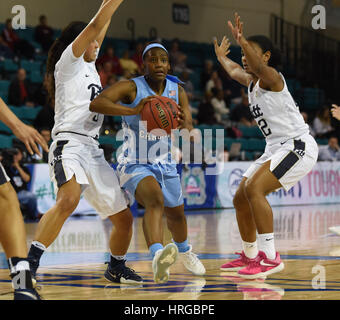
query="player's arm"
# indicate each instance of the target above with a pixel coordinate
(95, 29)
(268, 75)
(185, 116)
(107, 101)
(29, 136)
(335, 111)
(102, 34)
(234, 70)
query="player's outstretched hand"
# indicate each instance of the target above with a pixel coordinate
(335, 111)
(223, 49)
(138, 109)
(30, 137)
(236, 30)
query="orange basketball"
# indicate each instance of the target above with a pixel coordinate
(160, 113)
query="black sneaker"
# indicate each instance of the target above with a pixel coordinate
(120, 273)
(28, 294)
(23, 284)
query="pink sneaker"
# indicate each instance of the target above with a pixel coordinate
(261, 267)
(236, 264)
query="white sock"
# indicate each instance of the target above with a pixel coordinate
(38, 245)
(266, 244)
(250, 249)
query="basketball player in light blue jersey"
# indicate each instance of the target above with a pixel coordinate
(152, 178)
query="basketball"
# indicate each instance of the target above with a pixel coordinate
(160, 113)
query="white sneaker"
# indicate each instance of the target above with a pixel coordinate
(162, 261)
(192, 263)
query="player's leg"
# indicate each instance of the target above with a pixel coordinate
(107, 198)
(149, 195)
(247, 228)
(257, 187)
(49, 226)
(13, 240)
(177, 224)
(120, 239)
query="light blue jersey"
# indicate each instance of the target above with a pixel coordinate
(139, 145)
(146, 155)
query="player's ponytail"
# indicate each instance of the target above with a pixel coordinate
(266, 45)
(69, 34)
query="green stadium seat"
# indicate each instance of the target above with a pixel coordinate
(5, 141)
(30, 66)
(4, 128)
(10, 66)
(4, 85)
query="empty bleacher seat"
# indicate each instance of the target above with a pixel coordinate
(4, 128)
(5, 141)
(4, 85)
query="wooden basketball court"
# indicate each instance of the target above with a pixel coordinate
(73, 267)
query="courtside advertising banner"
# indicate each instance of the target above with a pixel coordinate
(320, 186)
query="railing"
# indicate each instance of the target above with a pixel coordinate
(309, 56)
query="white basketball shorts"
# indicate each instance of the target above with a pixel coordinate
(290, 161)
(99, 183)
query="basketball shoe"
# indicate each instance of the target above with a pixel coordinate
(118, 272)
(236, 264)
(191, 262)
(261, 266)
(162, 261)
(23, 286)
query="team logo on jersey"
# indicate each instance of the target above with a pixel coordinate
(256, 111)
(95, 90)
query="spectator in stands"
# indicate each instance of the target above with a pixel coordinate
(177, 58)
(111, 80)
(43, 34)
(20, 177)
(105, 73)
(241, 112)
(219, 104)
(322, 123)
(206, 73)
(128, 64)
(188, 85)
(206, 112)
(305, 117)
(46, 134)
(5, 50)
(109, 55)
(21, 90)
(137, 56)
(214, 82)
(19, 46)
(331, 152)
(41, 94)
(126, 75)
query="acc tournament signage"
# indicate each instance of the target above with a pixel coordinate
(320, 186)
